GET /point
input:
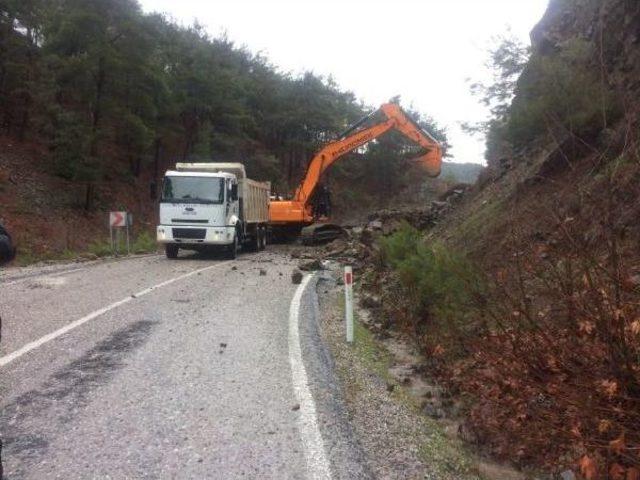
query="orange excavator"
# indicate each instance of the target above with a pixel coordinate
(307, 211)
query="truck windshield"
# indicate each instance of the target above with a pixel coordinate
(193, 190)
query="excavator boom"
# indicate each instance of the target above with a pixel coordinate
(298, 212)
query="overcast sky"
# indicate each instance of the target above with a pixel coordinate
(423, 50)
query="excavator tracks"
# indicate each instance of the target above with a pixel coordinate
(319, 233)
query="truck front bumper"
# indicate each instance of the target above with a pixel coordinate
(192, 235)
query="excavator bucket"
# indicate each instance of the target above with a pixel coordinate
(430, 162)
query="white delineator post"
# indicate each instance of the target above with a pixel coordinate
(348, 302)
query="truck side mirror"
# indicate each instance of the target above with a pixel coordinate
(234, 192)
(153, 191)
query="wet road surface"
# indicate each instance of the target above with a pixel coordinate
(150, 368)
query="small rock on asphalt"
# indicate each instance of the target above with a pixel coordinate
(309, 266)
(296, 277)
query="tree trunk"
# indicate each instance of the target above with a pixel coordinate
(97, 108)
(156, 158)
(88, 198)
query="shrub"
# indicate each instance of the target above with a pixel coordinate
(100, 248)
(442, 286)
(144, 243)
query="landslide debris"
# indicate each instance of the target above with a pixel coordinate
(359, 246)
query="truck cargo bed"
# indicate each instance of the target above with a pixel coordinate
(254, 200)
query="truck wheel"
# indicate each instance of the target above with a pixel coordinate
(232, 250)
(171, 250)
(263, 238)
(255, 241)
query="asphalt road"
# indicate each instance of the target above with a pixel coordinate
(149, 368)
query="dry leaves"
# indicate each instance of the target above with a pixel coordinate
(588, 468)
(617, 472)
(633, 474)
(609, 387)
(618, 445)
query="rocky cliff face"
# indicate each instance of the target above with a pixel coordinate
(579, 91)
(612, 26)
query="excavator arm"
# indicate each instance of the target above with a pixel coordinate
(298, 211)
(396, 119)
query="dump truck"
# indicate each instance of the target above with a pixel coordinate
(212, 206)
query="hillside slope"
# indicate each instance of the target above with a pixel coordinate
(44, 212)
(525, 297)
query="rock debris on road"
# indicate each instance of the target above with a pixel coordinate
(191, 379)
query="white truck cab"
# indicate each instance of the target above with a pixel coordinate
(212, 205)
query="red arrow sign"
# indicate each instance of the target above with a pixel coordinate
(117, 219)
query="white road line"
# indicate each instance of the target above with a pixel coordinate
(44, 275)
(317, 464)
(59, 273)
(67, 328)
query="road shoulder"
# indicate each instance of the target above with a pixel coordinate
(397, 440)
(345, 454)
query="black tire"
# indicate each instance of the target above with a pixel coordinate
(263, 238)
(171, 250)
(255, 241)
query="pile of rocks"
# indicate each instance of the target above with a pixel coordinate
(358, 247)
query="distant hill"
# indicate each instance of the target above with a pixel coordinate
(462, 172)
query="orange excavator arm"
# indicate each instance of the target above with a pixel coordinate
(298, 210)
(395, 119)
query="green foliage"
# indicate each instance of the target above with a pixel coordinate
(104, 84)
(402, 246)
(441, 285)
(533, 95)
(507, 60)
(144, 243)
(70, 147)
(562, 92)
(100, 248)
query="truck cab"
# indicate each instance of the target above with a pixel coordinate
(202, 207)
